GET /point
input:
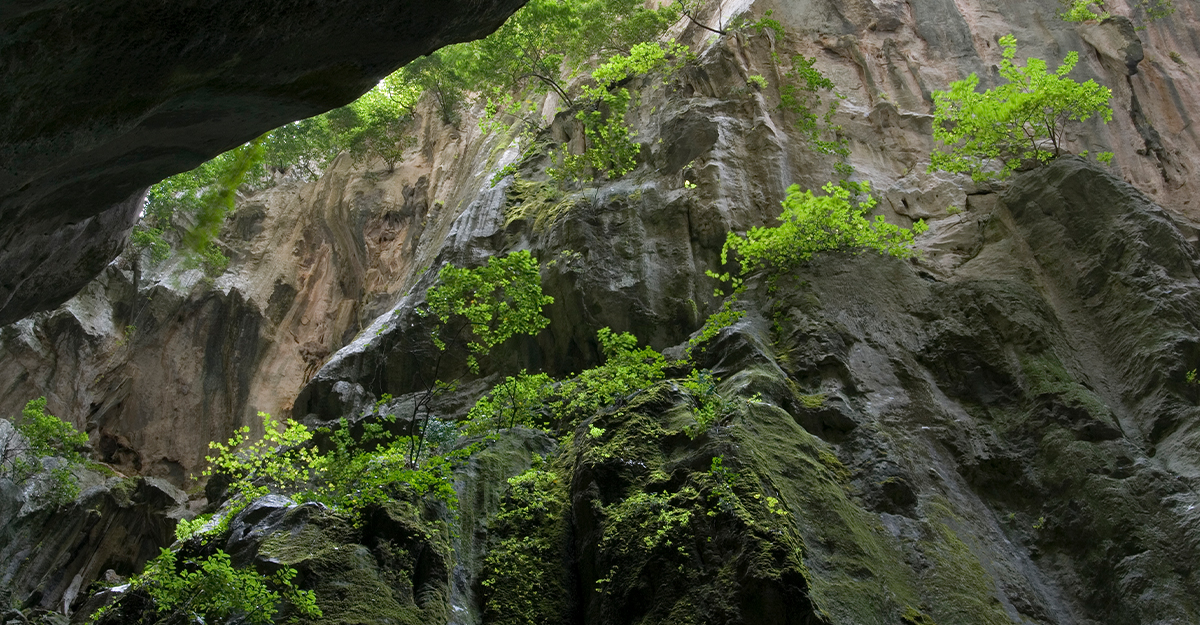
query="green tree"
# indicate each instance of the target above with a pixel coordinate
(515, 401)
(210, 590)
(442, 75)
(475, 310)
(812, 224)
(610, 147)
(1020, 121)
(44, 435)
(548, 42)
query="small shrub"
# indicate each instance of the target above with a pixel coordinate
(1084, 10)
(353, 473)
(814, 224)
(626, 369)
(707, 404)
(210, 589)
(723, 318)
(44, 435)
(1013, 122)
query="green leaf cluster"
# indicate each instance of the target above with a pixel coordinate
(44, 435)
(627, 369)
(800, 95)
(725, 317)
(515, 401)
(354, 472)
(538, 400)
(373, 467)
(811, 224)
(210, 590)
(205, 195)
(610, 146)
(146, 238)
(280, 460)
(549, 42)
(488, 305)
(707, 403)
(1021, 121)
(1084, 10)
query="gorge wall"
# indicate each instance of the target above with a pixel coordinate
(1005, 432)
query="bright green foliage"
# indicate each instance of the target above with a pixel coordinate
(521, 584)
(206, 194)
(707, 403)
(352, 474)
(368, 470)
(1156, 9)
(610, 146)
(1013, 122)
(440, 74)
(515, 401)
(216, 200)
(716, 322)
(491, 303)
(44, 435)
(813, 224)
(47, 435)
(626, 369)
(378, 125)
(147, 238)
(211, 590)
(1084, 10)
(280, 459)
(548, 42)
(721, 492)
(660, 520)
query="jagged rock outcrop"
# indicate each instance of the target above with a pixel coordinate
(53, 553)
(104, 99)
(998, 431)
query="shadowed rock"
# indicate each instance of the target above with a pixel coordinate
(102, 99)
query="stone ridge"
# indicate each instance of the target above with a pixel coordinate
(102, 99)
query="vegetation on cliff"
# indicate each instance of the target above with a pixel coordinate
(41, 437)
(1022, 121)
(649, 432)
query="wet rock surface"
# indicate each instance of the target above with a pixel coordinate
(52, 554)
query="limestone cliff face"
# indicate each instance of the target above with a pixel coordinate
(1004, 431)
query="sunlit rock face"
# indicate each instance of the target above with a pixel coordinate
(98, 100)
